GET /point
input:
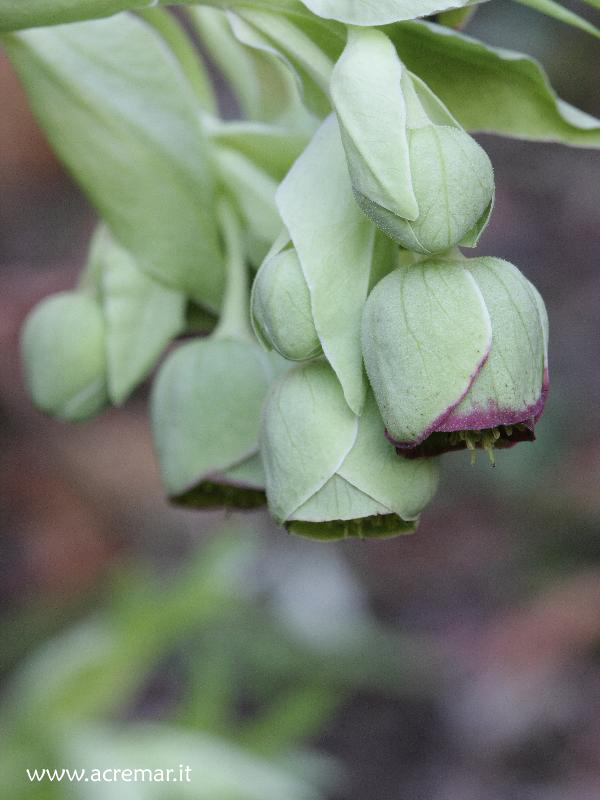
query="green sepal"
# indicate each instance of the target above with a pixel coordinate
(513, 374)
(205, 410)
(426, 333)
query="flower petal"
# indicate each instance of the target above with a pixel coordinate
(367, 95)
(205, 409)
(307, 431)
(426, 335)
(404, 487)
(508, 389)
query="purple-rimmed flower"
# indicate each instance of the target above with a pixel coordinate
(456, 353)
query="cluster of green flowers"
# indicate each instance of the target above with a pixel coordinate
(375, 345)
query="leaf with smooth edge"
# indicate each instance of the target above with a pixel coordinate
(402, 486)
(307, 430)
(380, 12)
(292, 40)
(490, 89)
(271, 148)
(119, 112)
(141, 317)
(457, 18)
(366, 94)
(426, 334)
(334, 242)
(20, 14)
(205, 409)
(253, 190)
(510, 381)
(562, 14)
(264, 88)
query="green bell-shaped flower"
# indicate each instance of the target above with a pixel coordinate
(63, 351)
(456, 354)
(205, 411)
(331, 474)
(415, 171)
(281, 310)
(206, 401)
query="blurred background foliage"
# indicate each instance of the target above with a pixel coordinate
(461, 663)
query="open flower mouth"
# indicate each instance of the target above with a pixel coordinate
(210, 494)
(380, 526)
(488, 439)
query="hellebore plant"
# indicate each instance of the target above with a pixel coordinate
(349, 184)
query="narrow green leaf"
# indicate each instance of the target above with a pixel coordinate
(490, 89)
(180, 44)
(272, 148)
(253, 190)
(118, 110)
(19, 14)
(141, 316)
(562, 14)
(381, 12)
(264, 88)
(304, 46)
(457, 18)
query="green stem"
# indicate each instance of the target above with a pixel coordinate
(181, 46)
(234, 321)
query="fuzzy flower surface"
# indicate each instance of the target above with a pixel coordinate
(331, 474)
(64, 359)
(416, 173)
(456, 353)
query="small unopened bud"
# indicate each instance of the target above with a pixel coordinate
(415, 172)
(63, 352)
(281, 310)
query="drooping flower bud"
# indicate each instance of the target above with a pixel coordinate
(63, 352)
(207, 397)
(330, 474)
(205, 410)
(415, 172)
(281, 310)
(456, 353)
